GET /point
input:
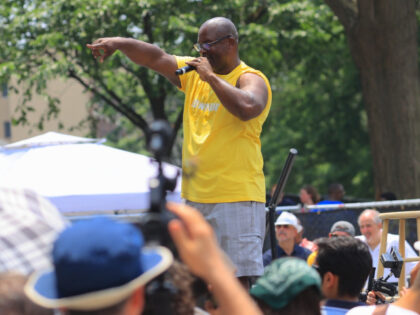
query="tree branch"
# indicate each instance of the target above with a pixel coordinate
(156, 97)
(147, 27)
(121, 108)
(345, 10)
(260, 11)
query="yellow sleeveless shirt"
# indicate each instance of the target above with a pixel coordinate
(221, 154)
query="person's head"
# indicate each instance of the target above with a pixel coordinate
(370, 225)
(203, 291)
(100, 267)
(342, 228)
(344, 264)
(35, 223)
(388, 196)
(287, 227)
(218, 42)
(273, 189)
(12, 299)
(308, 195)
(288, 286)
(280, 197)
(181, 298)
(336, 192)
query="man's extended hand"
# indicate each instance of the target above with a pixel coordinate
(103, 47)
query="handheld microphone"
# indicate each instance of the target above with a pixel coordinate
(184, 70)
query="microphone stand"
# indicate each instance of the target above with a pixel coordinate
(274, 199)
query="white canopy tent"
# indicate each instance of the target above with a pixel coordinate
(81, 175)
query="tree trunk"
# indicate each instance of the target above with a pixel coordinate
(382, 37)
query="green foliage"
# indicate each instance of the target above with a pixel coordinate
(44, 40)
(317, 106)
(299, 45)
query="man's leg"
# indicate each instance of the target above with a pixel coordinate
(240, 229)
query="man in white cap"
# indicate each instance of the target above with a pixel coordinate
(287, 228)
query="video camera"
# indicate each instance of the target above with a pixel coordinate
(154, 223)
(392, 260)
(161, 291)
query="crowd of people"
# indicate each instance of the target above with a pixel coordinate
(102, 266)
(309, 196)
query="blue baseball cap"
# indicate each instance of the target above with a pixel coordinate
(97, 263)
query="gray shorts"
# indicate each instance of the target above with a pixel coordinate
(240, 229)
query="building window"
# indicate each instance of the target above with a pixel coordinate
(4, 90)
(7, 130)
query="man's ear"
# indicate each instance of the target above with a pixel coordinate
(329, 279)
(136, 302)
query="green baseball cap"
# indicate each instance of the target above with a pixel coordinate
(284, 279)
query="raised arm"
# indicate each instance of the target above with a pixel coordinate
(140, 52)
(246, 100)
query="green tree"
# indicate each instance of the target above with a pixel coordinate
(317, 105)
(45, 39)
(382, 36)
(302, 46)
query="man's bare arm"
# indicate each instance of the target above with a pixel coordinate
(246, 100)
(140, 52)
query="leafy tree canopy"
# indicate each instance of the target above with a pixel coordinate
(299, 45)
(317, 106)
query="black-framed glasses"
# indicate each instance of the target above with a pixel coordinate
(207, 46)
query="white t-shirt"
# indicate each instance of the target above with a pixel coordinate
(392, 241)
(392, 310)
